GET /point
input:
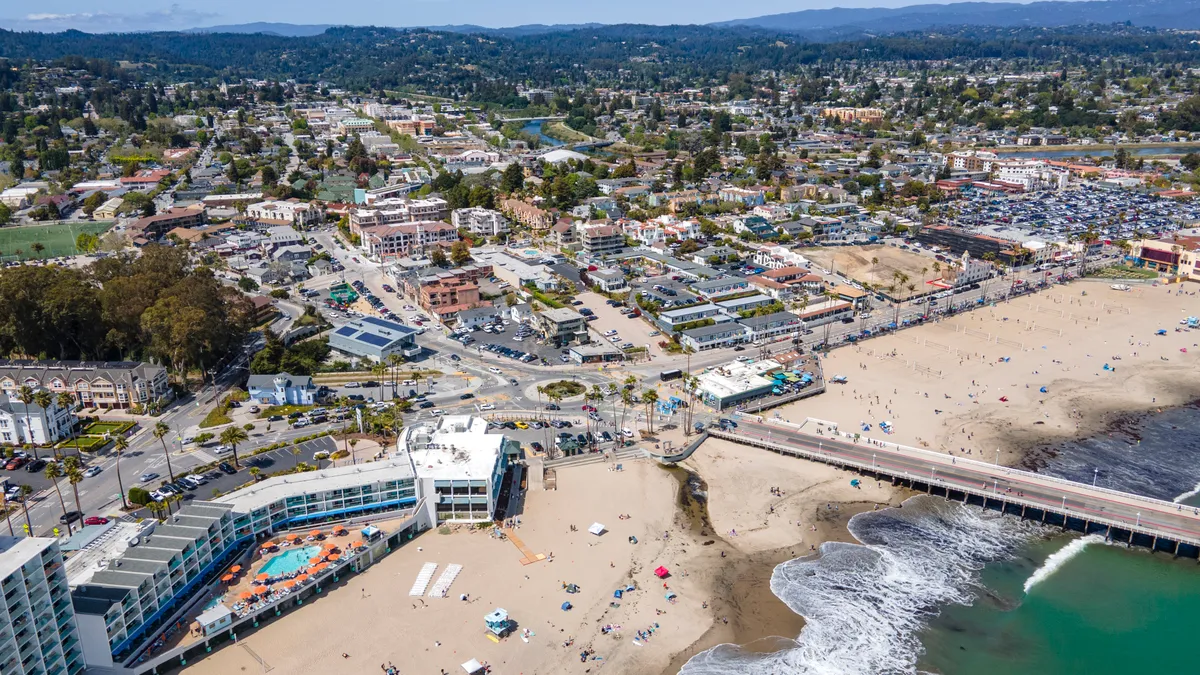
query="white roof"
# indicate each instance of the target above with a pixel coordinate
(273, 489)
(560, 155)
(736, 378)
(16, 551)
(456, 447)
(214, 615)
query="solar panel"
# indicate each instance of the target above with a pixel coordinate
(372, 339)
(346, 330)
(384, 324)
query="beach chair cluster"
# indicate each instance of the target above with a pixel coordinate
(442, 586)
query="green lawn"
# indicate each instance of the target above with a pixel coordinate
(85, 443)
(102, 428)
(59, 239)
(283, 410)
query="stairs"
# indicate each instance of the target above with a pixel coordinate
(624, 454)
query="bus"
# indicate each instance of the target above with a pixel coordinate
(668, 375)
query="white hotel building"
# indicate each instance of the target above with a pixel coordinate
(38, 632)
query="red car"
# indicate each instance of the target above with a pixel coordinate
(95, 520)
(589, 408)
(15, 463)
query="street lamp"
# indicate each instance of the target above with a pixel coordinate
(1095, 475)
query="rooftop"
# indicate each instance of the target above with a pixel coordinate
(273, 489)
(456, 447)
(16, 551)
(737, 378)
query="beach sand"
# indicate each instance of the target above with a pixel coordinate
(940, 384)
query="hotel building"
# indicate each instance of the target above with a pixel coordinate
(38, 633)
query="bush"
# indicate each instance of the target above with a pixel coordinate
(203, 438)
(139, 496)
(248, 427)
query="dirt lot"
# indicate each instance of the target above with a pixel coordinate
(856, 263)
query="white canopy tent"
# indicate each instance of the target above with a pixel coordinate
(596, 529)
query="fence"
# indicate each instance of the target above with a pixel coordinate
(1009, 343)
(937, 345)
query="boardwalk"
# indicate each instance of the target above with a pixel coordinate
(1141, 521)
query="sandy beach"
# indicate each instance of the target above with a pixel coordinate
(971, 384)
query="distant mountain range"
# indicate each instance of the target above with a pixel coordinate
(268, 28)
(306, 30)
(1183, 14)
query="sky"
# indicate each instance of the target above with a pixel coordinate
(104, 16)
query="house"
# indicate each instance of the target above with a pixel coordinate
(602, 240)
(469, 318)
(714, 254)
(562, 326)
(20, 423)
(563, 233)
(521, 312)
(527, 214)
(290, 254)
(282, 389)
(95, 384)
(609, 281)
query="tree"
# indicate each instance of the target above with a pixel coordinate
(25, 396)
(649, 398)
(438, 257)
(460, 253)
(74, 473)
(231, 436)
(379, 370)
(44, 399)
(247, 284)
(53, 473)
(7, 513)
(24, 492)
(120, 444)
(5, 214)
(513, 178)
(160, 432)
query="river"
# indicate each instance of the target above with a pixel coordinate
(534, 128)
(939, 587)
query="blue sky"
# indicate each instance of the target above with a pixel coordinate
(133, 15)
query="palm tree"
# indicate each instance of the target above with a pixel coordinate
(160, 432)
(628, 398)
(25, 395)
(231, 437)
(173, 499)
(120, 445)
(296, 454)
(74, 476)
(158, 508)
(611, 393)
(25, 491)
(67, 402)
(344, 402)
(540, 392)
(44, 399)
(379, 370)
(7, 514)
(650, 397)
(254, 471)
(54, 473)
(394, 362)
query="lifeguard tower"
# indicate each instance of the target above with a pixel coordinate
(498, 624)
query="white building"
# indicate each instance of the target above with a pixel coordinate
(1030, 174)
(38, 629)
(394, 210)
(292, 211)
(971, 271)
(480, 221)
(18, 197)
(21, 424)
(460, 467)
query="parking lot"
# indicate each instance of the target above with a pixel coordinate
(268, 462)
(502, 337)
(629, 330)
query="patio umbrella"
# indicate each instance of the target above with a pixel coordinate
(288, 584)
(246, 595)
(314, 533)
(262, 577)
(227, 578)
(339, 528)
(314, 561)
(330, 545)
(355, 544)
(235, 569)
(334, 556)
(263, 590)
(301, 578)
(293, 537)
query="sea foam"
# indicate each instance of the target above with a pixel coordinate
(1060, 558)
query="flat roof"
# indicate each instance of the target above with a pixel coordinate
(562, 314)
(273, 489)
(598, 348)
(458, 447)
(715, 329)
(737, 378)
(687, 311)
(750, 300)
(374, 333)
(16, 551)
(94, 556)
(774, 317)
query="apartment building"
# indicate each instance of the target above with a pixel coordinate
(743, 196)
(139, 592)
(38, 631)
(527, 214)
(602, 240)
(293, 212)
(20, 423)
(395, 241)
(459, 466)
(715, 336)
(449, 297)
(972, 160)
(416, 127)
(395, 210)
(95, 384)
(480, 221)
(562, 326)
(152, 228)
(864, 115)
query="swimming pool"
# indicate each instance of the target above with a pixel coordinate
(292, 560)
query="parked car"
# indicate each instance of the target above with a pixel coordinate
(227, 468)
(35, 466)
(95, 520)
(488, 406)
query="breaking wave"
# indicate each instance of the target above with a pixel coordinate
(1060, 558)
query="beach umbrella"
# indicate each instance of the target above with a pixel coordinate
(334, 556)
(330, 545)
(262, 577)
(288, 584)
(314, 533)
(227, 578)
(355, 544)
(235, 569)
(293, 537)
(314, 561)
(263, 590)
(301, 578)
(246, 595)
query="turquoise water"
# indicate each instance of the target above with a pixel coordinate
(292, 560)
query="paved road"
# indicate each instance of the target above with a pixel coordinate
(1126, 511)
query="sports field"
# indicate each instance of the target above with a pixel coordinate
(59, 239)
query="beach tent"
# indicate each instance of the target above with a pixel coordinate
(662, 572)
(596, 529)
(566, 606)
(473, 666)
(370, 532)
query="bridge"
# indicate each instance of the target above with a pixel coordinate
(1131, 519)
(532, 119)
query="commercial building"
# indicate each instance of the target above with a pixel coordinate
(459, 466)
(771, 326)
(713, 337)
(20, 423)
(393, 211)
(826, 312)
(38, 630)
(597, 352)
(140, 593)
(95, 384)
(291, 211)
(672, 319)
(375, 339)
(718, 288)
(282, 389)
(864, 115)
(726, 386)
(562, 326)
(480, 221)
(448, 297)
(737, 305)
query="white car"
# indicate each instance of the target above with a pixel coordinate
(626, 433)
(495, 370)
(611, 333)
(352, 385)
(92, 471)
(437, 411)
(517, 338)
(487, 406)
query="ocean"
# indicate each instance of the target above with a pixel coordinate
(939, 587)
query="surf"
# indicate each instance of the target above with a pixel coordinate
(1059, 558)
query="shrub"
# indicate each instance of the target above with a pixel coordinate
(139, 496)
(203, 438)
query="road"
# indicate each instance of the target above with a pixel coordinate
(1126, 511)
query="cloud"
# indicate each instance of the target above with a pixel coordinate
(171, 18)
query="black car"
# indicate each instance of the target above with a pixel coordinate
(466, 396)
(552, 406)
(35, 466)
(739, 348)
(227, 468)
(70, 517)
(427, 404)
(275, 418)
(606, 436)
(455, 357)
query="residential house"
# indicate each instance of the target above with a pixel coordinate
(562, 326)
(282, 389)
(609, 280)
(20, 423)
(95, 384)
(602, 240)
(527, 214)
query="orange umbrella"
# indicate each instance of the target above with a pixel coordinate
(227, 578)
(246, 595)
(334, 556)
(314, 561)
(339, 528)
(330, 545)
(314, 569)
(263, 590)
(293, 537)
(314, 533)
(355, 544)
(262, 577)
(288, 584)
(235, 569)
(301, 578)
